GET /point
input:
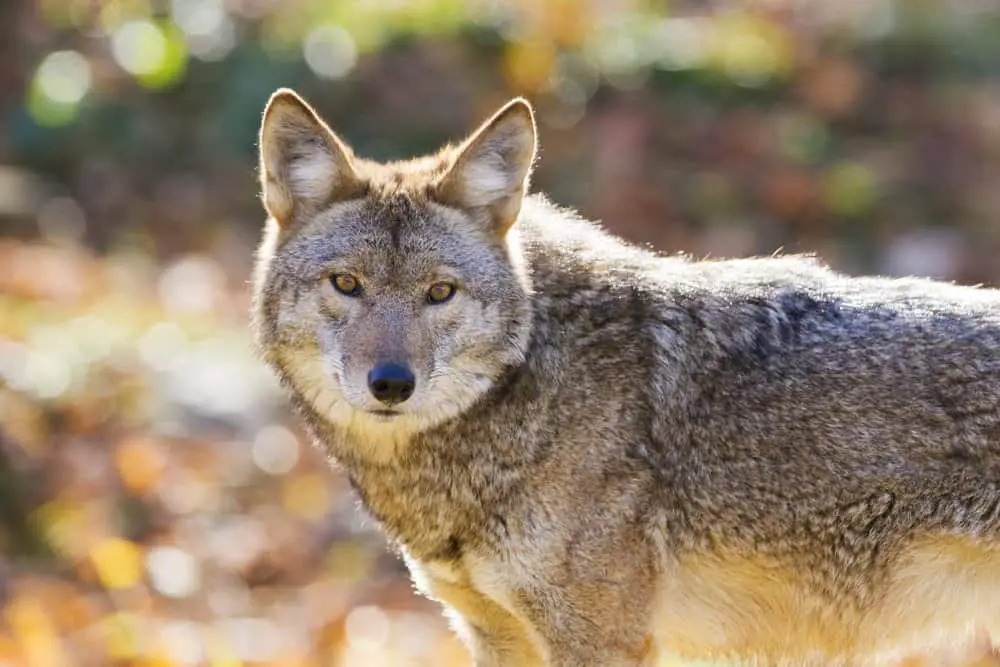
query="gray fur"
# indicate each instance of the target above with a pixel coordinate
(648, 416)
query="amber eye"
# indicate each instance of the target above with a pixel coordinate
(440, 292)
(346, 284)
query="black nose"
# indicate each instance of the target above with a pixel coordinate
(391, 383)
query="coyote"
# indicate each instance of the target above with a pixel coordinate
(592, 454)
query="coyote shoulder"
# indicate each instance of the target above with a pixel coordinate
(595, 455)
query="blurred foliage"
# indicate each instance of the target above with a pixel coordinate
(157, 504)
(867, 131)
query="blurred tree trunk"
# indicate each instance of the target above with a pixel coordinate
(13, 14)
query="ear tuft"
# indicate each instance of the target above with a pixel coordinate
(491, 171)
(303, 164)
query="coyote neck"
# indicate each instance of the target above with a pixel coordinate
(437, 510)
(440, 496)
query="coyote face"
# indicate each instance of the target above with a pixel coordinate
(390, 295)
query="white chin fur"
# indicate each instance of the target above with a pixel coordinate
(443, 397)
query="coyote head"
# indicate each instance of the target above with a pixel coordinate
(390, 296)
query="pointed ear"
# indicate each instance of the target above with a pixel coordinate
(489, 176)
(303, 164)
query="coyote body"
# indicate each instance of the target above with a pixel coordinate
(610, 456)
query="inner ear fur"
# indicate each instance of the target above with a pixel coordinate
(304, 165)
(490, 173)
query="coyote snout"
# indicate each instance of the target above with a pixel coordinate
(391, 383)
(380, 351)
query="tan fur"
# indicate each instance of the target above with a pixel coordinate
(459, 586)
(942, 593)
(612, 457)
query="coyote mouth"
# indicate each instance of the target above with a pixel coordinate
(384, 414)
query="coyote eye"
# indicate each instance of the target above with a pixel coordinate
(346, 284)
(440, 292)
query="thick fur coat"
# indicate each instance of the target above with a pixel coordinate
(611, 456)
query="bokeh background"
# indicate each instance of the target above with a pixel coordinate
(157, 504)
